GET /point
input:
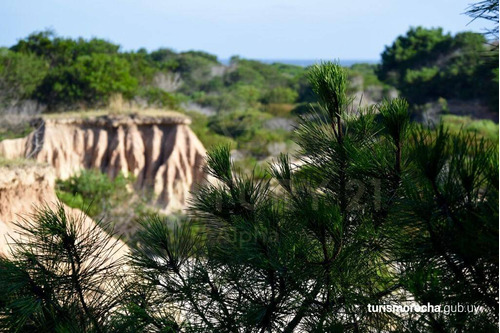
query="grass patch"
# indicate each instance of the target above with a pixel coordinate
(483, 128)
(17, 162)
(86, 114)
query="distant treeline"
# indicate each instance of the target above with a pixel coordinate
(63, 73)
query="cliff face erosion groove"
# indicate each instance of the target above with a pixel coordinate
(162, 153)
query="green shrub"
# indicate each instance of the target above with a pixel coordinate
(257, 142)
(141, 67)
(367, 72)
(94, 192)
(165, 59)
(160, 98)
(425, 64)
(223, 101)
(91, 79)
(280, 95)
(20, 74)
(209, 138)
(247, 95)
(245, 74)
(60, 51)
(239, 123)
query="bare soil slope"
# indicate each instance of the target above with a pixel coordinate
(25, 187)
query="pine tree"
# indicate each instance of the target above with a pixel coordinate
(374, 209)
(448, 230)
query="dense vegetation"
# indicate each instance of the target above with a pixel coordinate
(380, 211)
(63, 73)
(426, 64)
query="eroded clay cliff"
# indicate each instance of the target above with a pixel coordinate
(162, 153)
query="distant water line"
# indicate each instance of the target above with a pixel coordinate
(309, 62)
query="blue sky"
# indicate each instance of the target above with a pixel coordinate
(270, 29)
